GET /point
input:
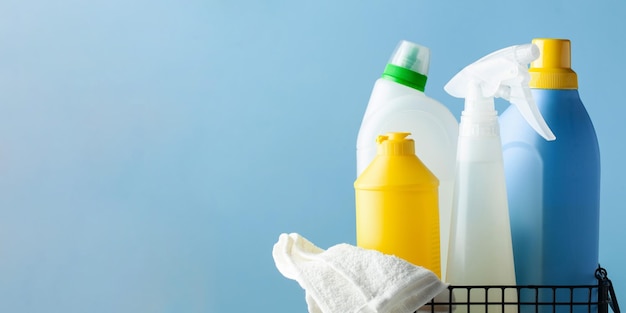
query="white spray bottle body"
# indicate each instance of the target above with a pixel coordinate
(481, 252)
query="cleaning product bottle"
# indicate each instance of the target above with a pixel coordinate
(553, 187)
(398, 104)
(396, 204)
(481, 252)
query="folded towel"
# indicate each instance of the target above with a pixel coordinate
(349, 279)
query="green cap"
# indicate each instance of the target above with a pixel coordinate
(408, 65)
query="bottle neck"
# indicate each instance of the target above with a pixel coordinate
(550, 95)
(484, 125)
(479, 117)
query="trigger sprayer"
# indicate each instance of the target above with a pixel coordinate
(480, 250)
(502, 74)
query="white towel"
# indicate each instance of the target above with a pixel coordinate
(349, 279)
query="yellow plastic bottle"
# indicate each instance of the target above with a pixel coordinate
(397, 202)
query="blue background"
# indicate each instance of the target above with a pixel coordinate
(151, 152)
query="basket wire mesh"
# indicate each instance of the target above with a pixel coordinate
(528, 298)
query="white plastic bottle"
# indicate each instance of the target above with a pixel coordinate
(398, 104)
(481, 251)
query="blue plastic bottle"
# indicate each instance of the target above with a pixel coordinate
(553, 187)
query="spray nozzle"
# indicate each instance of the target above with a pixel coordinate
(503, 74)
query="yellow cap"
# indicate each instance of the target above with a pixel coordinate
(552, 70)
(395, 144)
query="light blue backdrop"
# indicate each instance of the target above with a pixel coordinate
(151, 152)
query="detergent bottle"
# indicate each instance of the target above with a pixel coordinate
(553, 187)
(398, 104)
(481, 251)
(396, 204)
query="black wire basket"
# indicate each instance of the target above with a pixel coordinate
(529, 298)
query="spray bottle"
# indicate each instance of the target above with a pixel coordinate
(396, 204)
(398, 104)
(481, 251)
(553, 187)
